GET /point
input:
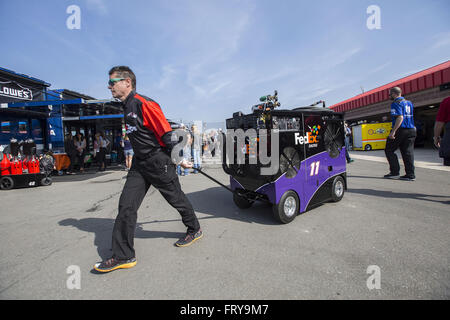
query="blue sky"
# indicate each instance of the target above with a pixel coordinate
(205, 59)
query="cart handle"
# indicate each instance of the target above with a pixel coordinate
(209, 177)
(257, 197)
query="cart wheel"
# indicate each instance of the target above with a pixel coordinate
(287, 209)
(368, 147)
(46, 181)
(241, 201)
(6, 183)
(337, 189)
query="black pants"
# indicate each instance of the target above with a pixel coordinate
(159, 171)
(80, 157)
(444, 150)
(101, 158)
(405, 141)
(72, 156)
(120, 155)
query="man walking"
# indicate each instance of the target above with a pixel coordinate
(151, 138)
(348, 133)
(443, 121)
(402, 136)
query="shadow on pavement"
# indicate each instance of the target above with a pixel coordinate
(103, 227)
(367, 177)
(90, 174)
(218, 202)
(399, 195)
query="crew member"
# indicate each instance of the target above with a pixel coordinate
(403, 135)
(443, 120)
(151, 138)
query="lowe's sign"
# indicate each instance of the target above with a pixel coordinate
(15, 91)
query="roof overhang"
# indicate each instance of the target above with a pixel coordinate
(436, 76)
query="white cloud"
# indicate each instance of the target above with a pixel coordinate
(334, 58)
(100, 6)
(441, 40)
(69, 44)
(211, 68)
(379, 68)
(168, 73)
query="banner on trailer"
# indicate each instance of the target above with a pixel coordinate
(12, 91)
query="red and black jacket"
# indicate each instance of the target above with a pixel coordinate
(146, 125)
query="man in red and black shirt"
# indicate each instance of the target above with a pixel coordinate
(443, 121)
(151, 138)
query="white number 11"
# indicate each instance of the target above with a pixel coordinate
(314, 168)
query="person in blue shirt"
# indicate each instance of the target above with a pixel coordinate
(128, 152)
(402, 136)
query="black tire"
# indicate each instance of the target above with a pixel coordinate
(284, 211)
(241, 201)
(46, 181)
(6, 183)
(337, 189)
(368, 147)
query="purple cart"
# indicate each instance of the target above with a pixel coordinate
(312, 164)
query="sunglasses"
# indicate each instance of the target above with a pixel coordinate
(113, 81)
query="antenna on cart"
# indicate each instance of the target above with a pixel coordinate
(318, 102)
(311, 105)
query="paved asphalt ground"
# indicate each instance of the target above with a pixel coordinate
(401, 227)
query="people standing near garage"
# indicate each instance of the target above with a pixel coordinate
(128, 152)
(71, 151)
(80, 144)
(151, 138)
(196, 148)
(104, 143)
(348, 133)
(118, 148)
(443, 121)
(96, 148)
(402, 136)
(101, 145)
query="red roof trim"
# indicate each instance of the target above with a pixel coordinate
(428, 78)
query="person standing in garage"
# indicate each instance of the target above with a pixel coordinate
(71, 152)
(443, 121)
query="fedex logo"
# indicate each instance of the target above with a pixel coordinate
(310, 138)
